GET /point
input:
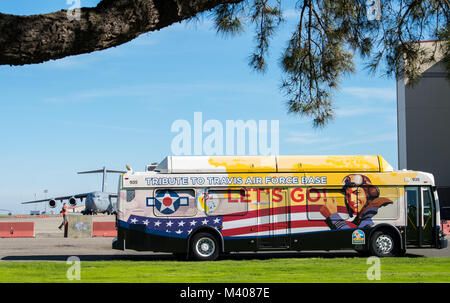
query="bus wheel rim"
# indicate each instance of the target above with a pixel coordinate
(205, 247)
(384, 244)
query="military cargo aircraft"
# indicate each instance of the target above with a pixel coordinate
(95, 202)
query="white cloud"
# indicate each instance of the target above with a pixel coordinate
(69, 62)
(308, 138)
(344, 142)
(366, 93)
(110, 127)
(154, 91)
(291, 13)
(317, 144)
(352, 111)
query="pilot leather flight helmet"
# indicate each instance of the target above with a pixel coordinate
(358, 180)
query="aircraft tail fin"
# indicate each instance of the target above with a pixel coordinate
(104, 171)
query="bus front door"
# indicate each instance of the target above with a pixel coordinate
(273, 220)
(428, 217)
(420, 214)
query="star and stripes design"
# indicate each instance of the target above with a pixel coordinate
(177, 227)
(268, 222)
(250, 223)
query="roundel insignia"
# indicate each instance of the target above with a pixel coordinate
(168, 201)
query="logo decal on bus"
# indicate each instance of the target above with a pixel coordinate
(167, 201)
(206, 203)
(358, 237)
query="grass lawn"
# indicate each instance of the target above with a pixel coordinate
(296, 270)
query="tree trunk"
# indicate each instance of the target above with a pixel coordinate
(39, 38)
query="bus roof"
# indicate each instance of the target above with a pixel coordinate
(271, 164)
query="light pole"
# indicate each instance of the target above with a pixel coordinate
(45, 197)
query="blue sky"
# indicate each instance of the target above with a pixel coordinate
(116, 107)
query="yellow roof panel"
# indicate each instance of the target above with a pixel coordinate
(272, 164)
(235, 164)
(330, 164)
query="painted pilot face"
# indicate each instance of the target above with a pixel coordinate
(356, 198)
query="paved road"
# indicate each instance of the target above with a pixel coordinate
(96, 249)
(49, 244)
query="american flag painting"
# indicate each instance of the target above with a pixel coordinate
(253, 223)
(175, 227)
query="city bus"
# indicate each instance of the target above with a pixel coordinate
(200, 207)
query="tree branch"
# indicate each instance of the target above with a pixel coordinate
(39, 38)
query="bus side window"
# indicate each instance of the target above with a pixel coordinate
(130, 194)
(428, 207)
(323, 202)
(173, 203)
(387, 203)
(232, 202)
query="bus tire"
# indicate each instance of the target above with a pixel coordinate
(204, 247)
(383, 244)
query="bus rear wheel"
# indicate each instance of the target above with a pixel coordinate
(204, 247)
(383, 244)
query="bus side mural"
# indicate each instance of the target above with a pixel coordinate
(362, 200)
(203, 214)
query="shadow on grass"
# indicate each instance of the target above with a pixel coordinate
(170, 257)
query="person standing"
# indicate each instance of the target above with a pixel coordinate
(64, 214)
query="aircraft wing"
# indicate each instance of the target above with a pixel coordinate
(101, 171)
(78, 196)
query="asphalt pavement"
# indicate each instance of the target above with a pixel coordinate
(99, 249)
(50, 245)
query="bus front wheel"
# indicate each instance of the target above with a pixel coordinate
(383, 244)
(204, 247)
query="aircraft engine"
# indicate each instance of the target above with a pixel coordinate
(72, 201)
(52, 203)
